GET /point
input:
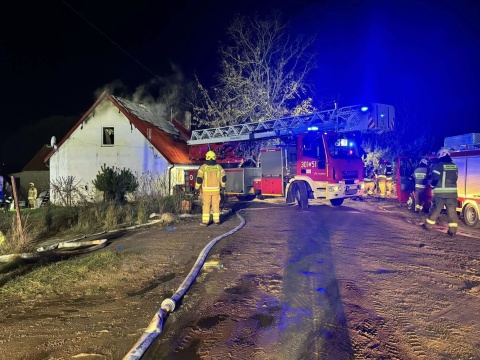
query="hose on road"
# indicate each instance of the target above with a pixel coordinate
(168, 305)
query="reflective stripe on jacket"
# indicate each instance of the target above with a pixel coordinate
(211, 178)
(420, 175)
(444, 179)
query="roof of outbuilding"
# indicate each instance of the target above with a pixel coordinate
(37, 163)
(167, 139)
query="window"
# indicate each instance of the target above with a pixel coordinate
(312, 146)
(108, 136)
(343, 147)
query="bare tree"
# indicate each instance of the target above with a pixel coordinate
(262, 75)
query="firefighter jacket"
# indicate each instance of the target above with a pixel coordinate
(444, 178)
(384, 170)
(32, 193)
(211, 177)
(369, 173)
(420, 176)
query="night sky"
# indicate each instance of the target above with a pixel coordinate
(54, 58)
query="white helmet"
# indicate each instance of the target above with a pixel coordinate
(443, 152)
(424, 161)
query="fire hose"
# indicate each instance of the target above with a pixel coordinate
(168, 305)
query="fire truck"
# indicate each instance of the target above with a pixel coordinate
(465, 153)
(309, 156)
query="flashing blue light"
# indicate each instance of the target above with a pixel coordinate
(313, 128)
(364, 108)
(350, 144)
(382, 115)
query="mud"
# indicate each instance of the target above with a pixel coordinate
(360, 281)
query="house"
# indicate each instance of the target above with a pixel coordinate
(119, 133)
(35, 171)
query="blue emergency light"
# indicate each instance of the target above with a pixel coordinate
(364, 108)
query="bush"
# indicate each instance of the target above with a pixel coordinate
(115, 183)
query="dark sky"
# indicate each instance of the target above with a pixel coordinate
(54, 57)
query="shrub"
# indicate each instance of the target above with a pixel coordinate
(115, 183)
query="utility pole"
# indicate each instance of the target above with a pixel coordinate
(17, 208)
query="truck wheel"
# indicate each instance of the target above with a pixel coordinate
(411, 202)
(301, 195)
(336, 202)
(470, 215)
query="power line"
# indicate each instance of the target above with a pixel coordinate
(111, 40)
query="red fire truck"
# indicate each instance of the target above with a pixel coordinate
(310, 156)
(465, 153)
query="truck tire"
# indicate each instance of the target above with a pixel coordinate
(470, 215)
(411, 202)
(301, 195)
(336, 202)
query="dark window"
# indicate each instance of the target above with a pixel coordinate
(343, 147)
(312, 146)
(108, 136)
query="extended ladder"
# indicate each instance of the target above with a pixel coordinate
(376, 117)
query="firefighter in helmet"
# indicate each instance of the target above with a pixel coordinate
(444, 185)
(211, 179)
(369, 178)
(384, 174)
(32, 196)
(420, 176)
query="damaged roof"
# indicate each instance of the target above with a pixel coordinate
(162, 134)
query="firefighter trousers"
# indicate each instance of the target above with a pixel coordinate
(210, 201)
(452, 218)
(419, 199)
(382, 186)
(369, 187)
(389, 186)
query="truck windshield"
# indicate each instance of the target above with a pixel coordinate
(342, 147)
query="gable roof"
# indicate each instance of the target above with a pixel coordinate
(162, 134)
(37, 163)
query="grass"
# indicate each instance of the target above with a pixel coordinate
(76, 277)
(61, 221)
(85, 275)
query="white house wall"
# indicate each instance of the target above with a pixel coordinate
(82, 155)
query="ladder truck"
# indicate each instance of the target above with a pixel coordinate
(309, 156)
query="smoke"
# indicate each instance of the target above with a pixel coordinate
(163, 95)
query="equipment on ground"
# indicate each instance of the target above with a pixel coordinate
(310, 156)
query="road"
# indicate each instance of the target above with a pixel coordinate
(359, 281)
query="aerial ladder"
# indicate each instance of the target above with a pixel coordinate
(373, 118)
(323, 163)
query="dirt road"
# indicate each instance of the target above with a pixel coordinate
(360, 281)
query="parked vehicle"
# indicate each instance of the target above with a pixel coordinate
(315, 156)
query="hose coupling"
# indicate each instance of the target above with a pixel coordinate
(168, 305)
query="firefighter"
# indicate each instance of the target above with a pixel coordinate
(384, 175)
(420, 176)
(369, 178)
(211, 178)
(444, 185)
(32, 196)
